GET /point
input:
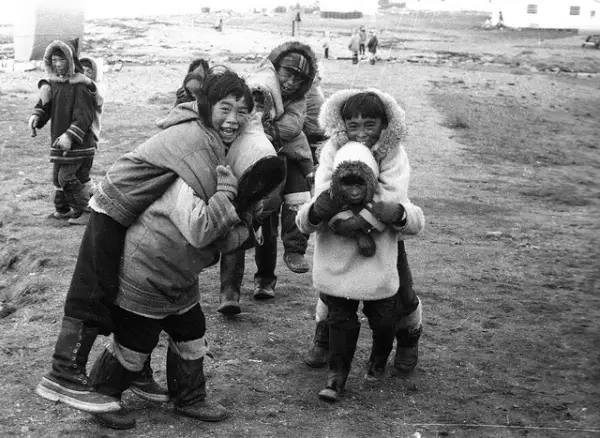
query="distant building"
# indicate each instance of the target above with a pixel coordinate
(366, 7)
(544, 14)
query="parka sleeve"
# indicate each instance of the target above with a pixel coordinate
(394, 177)
(290, 124)
(199, 222)
(83, 114)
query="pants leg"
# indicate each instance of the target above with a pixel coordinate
(407, 298)
(72, 186)
(382, 316)
(265, 255)
(296, 191)
(60, 201)
(95, 281)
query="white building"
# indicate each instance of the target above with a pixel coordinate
(546, 14)
(367, 7)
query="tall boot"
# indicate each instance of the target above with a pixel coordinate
(187, 388)
(232, 273)
(145, 387)
(408, 333)
(342, 345)
(111, 378)
(318, 354)
(383, 343)
(294, 241)
(67, 381)
(265, 256)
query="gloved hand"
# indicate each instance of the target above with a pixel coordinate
(388, 212)
(324, 208)
(350, 227)
(63, 142)
(227, 182)
(366, 244)
(80, 78)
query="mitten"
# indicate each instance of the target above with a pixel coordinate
(392, 213)
(63, 142)
(33, 122)
(227, 182)
(366, 244)
(324, 208)
(350, 227)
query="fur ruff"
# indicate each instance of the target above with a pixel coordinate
(350, 168)
(70, 55)
(296, 46)
(330, 120)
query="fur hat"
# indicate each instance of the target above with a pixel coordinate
(355, 159)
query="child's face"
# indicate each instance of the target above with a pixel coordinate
(364, 130)
(229, 116)
(60, 65)
(259, 101)
(88, 71)
(354, 190)
(289, 80)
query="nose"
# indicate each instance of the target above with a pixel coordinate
(231, 118)
(354, 191)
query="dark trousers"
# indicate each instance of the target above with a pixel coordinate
(141, 334)
(293, 240)
(407, 298)
(361, 49)
(95, 281)
(72, 194)
(327, 53)
(343, 312)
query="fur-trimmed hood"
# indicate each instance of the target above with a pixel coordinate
(354, 159)
(330, 120)
(296, 46)
(97, 73)
(70, 54)
(264, 79)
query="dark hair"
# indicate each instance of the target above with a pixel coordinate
(217, 87)
(197, 63)
(366, 104)
(352, 179)
(86, 63)
(57, 51)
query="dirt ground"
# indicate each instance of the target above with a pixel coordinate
(504, 148)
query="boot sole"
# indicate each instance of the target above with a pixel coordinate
(210, 420)
(45, 390)
(229, 308)
(311, 364)
(116, 426)
(329, 395)
(158, 398)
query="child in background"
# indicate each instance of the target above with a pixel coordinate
(362, 40)
(375, 119)
(71, 110)
(354, 45)
(372, 46)
(326, 43)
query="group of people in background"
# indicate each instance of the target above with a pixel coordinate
(235, 157)
(359, 41)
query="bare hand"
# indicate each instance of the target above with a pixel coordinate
(63, 142)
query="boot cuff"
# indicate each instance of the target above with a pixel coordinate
(413, 320)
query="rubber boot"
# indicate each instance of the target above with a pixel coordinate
(318, 354)
(145, 387)
(187, 388)
(111, 378)
(294, 241)
(342, 345)
(383, 343)
(265, 256)
(232, 273)
(408, 332)
(67, 382)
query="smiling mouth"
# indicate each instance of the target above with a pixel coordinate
(228, 132)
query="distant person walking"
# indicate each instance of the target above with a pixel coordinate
(362, 40)
(372, 46)
(354, 46)
(326, 44)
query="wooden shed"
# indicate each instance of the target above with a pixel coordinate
(38, 23)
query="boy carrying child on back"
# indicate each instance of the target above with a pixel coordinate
(374, 119)
(71, 109)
